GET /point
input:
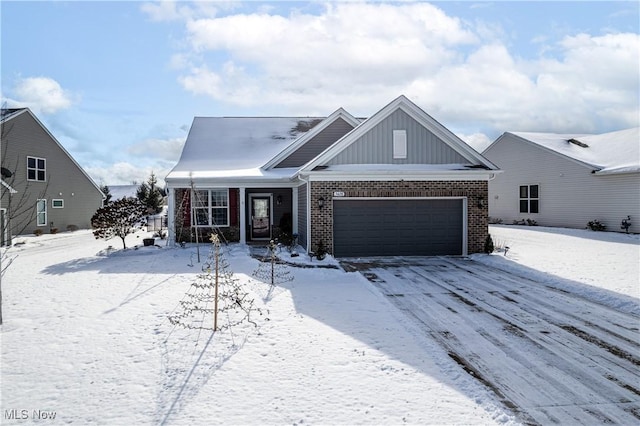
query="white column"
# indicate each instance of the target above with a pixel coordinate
(243, 217)
(294, 210)
(171, 219)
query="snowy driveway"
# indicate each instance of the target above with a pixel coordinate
(549, 355)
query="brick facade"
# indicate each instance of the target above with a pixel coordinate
(474, 191)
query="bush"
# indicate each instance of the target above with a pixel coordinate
(118, 219)
(54, 230)
(321, 251)
(37, 232)
(72, 228)
(488, 245)
(595, 225)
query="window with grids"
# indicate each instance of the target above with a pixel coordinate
(211, 207)
(36, 169)
(41, 212)
(529, 199)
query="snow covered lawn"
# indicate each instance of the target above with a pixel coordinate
(86, 337)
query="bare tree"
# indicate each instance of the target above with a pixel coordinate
(16, 196)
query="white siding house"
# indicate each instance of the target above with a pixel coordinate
(566, 180)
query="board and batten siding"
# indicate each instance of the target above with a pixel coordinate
(570, 194)
(317, 144)
(65, 180)
(376, 147)
(302, 214)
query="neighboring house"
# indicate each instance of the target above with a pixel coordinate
(398, 183)
(566, 180)
(42, 186)
(121, 191)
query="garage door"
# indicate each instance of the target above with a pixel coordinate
(397, 227)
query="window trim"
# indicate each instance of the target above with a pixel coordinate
(210, 208)
(53, 203)
(528, 198)
(37, 169)
(44, 212)
(400, 144)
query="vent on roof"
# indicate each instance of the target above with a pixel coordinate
(577, 142)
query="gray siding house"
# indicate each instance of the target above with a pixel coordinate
(42, 185)
(567, 180)
(397, 183)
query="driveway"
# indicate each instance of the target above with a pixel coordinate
(550, 356)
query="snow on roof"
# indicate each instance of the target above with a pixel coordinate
(217, 144)
(614, 152)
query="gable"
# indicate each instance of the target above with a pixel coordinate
(614, 152)
(317, 144)
(25, 136)
(376, 145)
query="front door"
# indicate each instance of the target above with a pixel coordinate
(260, 217)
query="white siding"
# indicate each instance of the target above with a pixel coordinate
(570, 194)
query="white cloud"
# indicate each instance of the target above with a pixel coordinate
(163, 149)
(360, 56)
(477, 141)
(41, 94)
(124, 173)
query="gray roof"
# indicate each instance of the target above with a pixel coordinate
(238, 143)
(613, 152)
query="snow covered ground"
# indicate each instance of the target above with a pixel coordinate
(86, 336)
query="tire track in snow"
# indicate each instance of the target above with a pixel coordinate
(526, 342)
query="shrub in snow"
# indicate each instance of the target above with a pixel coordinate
(118, 219)
(488, 245)
(626, 224)
(595, 225)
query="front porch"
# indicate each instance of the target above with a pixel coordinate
(248, 215)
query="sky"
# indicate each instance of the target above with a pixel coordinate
(118, 83)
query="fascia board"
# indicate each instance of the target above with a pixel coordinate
(66, 153)
(417, 114)
(445, 134)
(340, 113)
(14, 115)
(470, 175)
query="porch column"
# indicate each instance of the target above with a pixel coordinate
(243, 217)
(294, 210)
(171, 220)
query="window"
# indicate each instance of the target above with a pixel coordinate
(36, 169)
(399, 144)
(41, 212)
(57, 204)
(529, 199)
(211, 207)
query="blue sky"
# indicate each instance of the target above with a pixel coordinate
(118, 83)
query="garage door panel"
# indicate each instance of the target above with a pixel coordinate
(398, 227)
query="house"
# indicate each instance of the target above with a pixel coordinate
(567, 180)
(43, 188)
(123, 191)
(397, 183)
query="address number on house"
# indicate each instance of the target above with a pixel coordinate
(338, 194)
